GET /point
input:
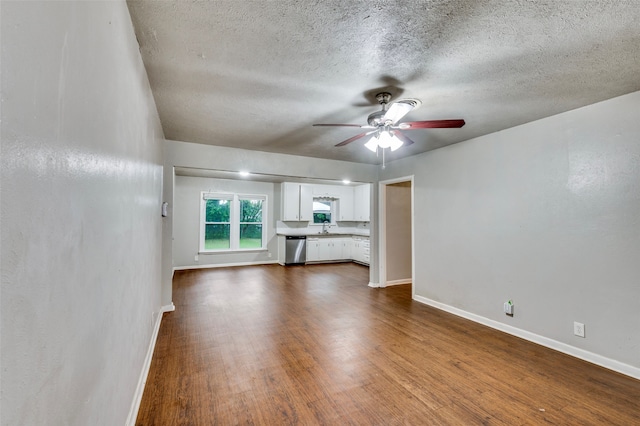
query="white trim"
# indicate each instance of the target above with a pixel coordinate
(591, 357)
(168, 308)
(374, 285)
(382, 234)
(398, 282)
(234, 251)
(142, 381)
(223, 265)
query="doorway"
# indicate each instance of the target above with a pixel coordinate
(396, 232)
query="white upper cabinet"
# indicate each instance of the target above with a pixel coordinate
(346, 204)
(306, 202)
(362, 203)
(290, 201)
(329, 191)
(353, 203)
(297, 202)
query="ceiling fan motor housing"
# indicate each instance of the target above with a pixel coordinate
(376, 118)
(383, 98)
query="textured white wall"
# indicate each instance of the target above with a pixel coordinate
(546, 214)
(186, 241)
(80, 203)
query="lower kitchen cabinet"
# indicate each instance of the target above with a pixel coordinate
(313, 249)
(330, 249)
(360, 251)
(325, 249)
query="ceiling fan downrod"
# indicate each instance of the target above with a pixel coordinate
(377, 117)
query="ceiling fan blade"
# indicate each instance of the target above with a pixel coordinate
(432, 124)
(399, 109)
(355, 138)
(341, 125)
(404, 138)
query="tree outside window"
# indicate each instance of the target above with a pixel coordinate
(250, 224)
(217, 232)
(322, 209)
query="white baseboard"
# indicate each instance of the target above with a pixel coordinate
(374, 285)
(223, 265)
(591, 357)
(398, 282)
(168, 308)
(142, 381)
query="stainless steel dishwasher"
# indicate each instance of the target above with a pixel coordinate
(295, 250)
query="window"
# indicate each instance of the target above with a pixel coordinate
(322, 210)
(232, 222)
(217, 224)
(250, 223)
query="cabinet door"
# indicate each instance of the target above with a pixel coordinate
(306, 202)
(347, 252)
(341, 249)
(324, 249)
(356, 250)
(346, 204)
(365, 251)
(290, 201)
(313, 253)
(362, 204)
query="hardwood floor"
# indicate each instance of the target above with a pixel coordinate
(272, 345)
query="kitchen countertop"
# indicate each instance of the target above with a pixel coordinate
(330, 234)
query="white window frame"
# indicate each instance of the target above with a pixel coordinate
(334, 210)
(234, 219)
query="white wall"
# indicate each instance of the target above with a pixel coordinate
(80, 207)
(186, 241)
(546, 214)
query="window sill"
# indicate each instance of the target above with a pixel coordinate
(227, 251)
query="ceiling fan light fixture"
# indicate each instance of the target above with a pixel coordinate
(395, 143)
(372, 145)
(385, 139)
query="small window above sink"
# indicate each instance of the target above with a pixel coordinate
(323, 211)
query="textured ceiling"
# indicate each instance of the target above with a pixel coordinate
(258, 74)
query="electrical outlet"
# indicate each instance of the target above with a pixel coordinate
(269, 255)
(578, 329)
(195, 257)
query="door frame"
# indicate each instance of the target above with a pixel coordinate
(382, 227)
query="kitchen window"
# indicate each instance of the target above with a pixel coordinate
(232, 222)
(323, 211)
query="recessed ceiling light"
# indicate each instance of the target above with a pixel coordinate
(346, 181)
(244, 173)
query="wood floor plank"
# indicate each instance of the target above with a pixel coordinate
(310, 345)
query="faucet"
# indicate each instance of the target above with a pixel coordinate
(325, 226)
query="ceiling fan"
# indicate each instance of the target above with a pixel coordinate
(386, 131)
